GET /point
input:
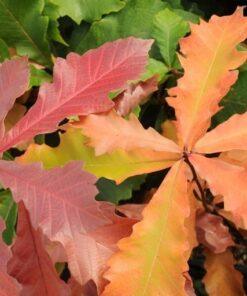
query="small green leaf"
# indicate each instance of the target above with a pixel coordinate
(155, 67)
(22, 26)
(38, 76)
(52, 11)
(235, 101)
(8, 211)
(109, 191)
(168, 29)
(88, 10)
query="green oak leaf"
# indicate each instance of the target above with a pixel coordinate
(87, 10)
(109, 191)
(23, 26)
(135, 19)
(235, 101)
(52, 11)
(155, 67)
(8, 211)
(168, 29)
(38, 77)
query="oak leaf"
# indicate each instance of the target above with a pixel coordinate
(212, 233)
(30, 263)
(8, 285)
(80, 86)
(209, 56)
(222, 276)
(153, 258)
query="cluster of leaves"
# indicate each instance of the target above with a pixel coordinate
(66, 225)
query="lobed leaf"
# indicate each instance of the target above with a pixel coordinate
(135, 95)
(168, 29)
(109, 132)
(14, 78)
(227, 180)
(80, 87)
(30, 263)
(8, 285)
(88, 10)
(229, 135)
(222, 276)
(23, 26)
(152, 260)
(118, 166)
(209, 56)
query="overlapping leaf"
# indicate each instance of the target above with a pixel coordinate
(135, 19)
(88, 10)
(230, 135)
(23, 26)
(153, 258)
(14, 78)
(221, 275)
(30, 264)
(108, 132)
(8, 285)
(81, 85)
(135, 95)
(227, 180)
(210, 55)
(118, 166)
(168, 29)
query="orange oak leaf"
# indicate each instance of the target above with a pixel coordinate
(230, 135)
(212, 233)
(108, 132)
(236, 157)
(8, 285)
(209, 56)
(134, 95)
(152, 260)
(221, 276)
(227, 180)
(30, 263)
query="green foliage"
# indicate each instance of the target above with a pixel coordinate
(109, 191)
(22, 26)
(235, 101)
(88, 10)
(38, 76)
(8, 211)
(52, 11)
(168, 29)
(135, 19)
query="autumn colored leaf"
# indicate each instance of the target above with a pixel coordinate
(236, 157)
(227, 180)
(14, 78)
(109, 132)
(118, 166)
(104, 69)
(212, 233)
(8, 285)
(84, 224)
(209, 56)
(152, 260)
(30, 263)
(230, 135)
(134, 95)
(222, 276)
